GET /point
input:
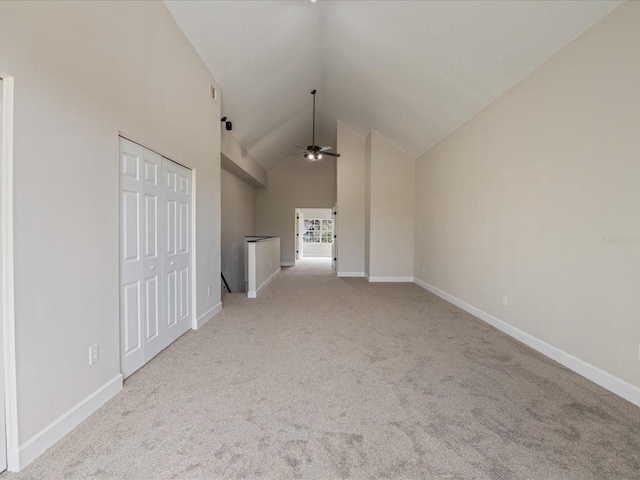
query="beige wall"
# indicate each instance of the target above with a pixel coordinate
(351, 199)
(238, 204)
(263, 264)
(83, 72)
(391, 211)
(518, 202)
(237, 160)
(295, 183)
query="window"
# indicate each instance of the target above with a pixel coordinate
(317, 231)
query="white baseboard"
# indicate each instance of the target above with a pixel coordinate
(287, 264)
(208, 315)
(350, 274)
(614, 384)
(48, 436)
(390, 279)
(252, 294)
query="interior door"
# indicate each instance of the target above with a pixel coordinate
(155, 269)
(141, 265)
(177, 252)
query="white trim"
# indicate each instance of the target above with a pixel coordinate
(287, 264)
(614, 384)
(390, 279)
(350, 274)
(252, 294)
(133, 139)
(208, 315)
(194, 264)
(48, 436)
(8, 299)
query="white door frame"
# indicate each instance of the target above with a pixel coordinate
(298, 233)
(334, 242)
(7, 315)
(299, 243)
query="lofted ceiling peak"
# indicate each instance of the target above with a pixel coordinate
(412, 70)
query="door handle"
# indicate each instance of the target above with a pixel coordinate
(172, 263)
(152, 267)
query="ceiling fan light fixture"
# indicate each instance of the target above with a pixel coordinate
(313, 152)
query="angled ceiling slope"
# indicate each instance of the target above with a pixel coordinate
(412, 70)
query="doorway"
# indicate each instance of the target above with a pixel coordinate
(155, 254)
(314, 235)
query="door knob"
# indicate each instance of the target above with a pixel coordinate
(152, 267)
(172, 263)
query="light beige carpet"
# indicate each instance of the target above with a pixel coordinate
(323, 378)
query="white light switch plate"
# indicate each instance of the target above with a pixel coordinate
(94, 354)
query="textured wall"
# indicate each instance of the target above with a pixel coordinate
(391, 206)
(295, 183)
(238, 220)
(536, 198)
(93, 69)
(351, 198)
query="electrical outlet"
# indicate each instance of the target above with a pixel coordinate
(505, 301)
(94, 354)
(209, 291)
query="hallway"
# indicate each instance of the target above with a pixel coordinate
(324, 378)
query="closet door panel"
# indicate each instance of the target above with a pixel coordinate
(177, 261)
(141, 261)
(155, 246)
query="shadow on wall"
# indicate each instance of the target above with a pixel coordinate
(233, 270)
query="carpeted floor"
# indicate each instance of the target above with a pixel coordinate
(324, 378)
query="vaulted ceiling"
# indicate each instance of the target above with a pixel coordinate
(412, 70)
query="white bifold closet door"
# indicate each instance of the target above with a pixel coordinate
(155, 247)
(177, 251)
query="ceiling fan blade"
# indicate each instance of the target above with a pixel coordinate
(331, 154)
(324, 149)
(297, 153)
